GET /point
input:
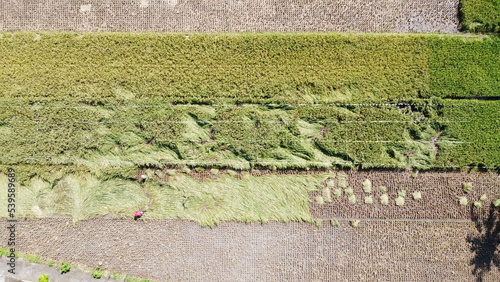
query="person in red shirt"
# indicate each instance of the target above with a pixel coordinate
(138, 214)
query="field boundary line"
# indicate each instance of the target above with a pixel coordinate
(242, 121)
(73, 161)
(245, 140)
(445, 220)
(246, 105)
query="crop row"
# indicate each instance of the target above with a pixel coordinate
(421, 135)
(118, 68)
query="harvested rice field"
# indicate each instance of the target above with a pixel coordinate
(176, 250)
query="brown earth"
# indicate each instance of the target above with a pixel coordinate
(440, 192)
(230, 15)
(176, 250)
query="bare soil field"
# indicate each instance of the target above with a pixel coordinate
(176, 250)
(440, 193)
(230, 15)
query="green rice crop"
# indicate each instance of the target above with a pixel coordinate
(480, 15)
(131, 68)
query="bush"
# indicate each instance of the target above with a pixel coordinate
(43, 278)
(97, 273)
(65, 267)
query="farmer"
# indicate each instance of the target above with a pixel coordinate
(138, 214)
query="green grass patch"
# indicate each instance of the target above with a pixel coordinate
(480, 15)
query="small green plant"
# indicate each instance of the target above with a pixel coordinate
(400, 201)
(231, 172)
(337, 192)
(483, 197)
(496, 202)
(417, 195)
(463, 201)
(319, 200)
(97, 273)
(327, 195)
(402, 193)
(384, 199)
(354, 223)
(478, 204)
(383, 188)
(369, 200)
(467, 187)
(349, 191)
(367, 186)
(214, 171)
(65, 267)
(199, 169)
(115, 275)
(51, 263)
(334, 222)
(186, 170)
(352, 199)
(43, 278)
(171, 172)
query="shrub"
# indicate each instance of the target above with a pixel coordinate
(65, 267)
(97, 273)
(43, 278)
(417, 195)
(478, 204)
(483, 197)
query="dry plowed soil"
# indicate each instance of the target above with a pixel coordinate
(176, 250)
(231, 15)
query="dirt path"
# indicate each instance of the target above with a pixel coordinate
(176, 250)
(230, 16)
